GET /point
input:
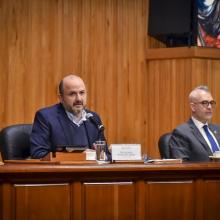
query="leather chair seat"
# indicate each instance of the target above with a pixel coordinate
(15, 142)
(163, 145)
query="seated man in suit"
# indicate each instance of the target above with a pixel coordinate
(192, 141)
(66, 123)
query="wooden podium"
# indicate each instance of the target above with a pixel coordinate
(67, 158)
(56, 158)
(120, 191)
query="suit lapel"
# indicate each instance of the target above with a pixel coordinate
(199, 136)
(65, 123)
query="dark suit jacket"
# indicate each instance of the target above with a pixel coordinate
(187, 142)
(52, 128)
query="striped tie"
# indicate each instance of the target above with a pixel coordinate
(211, 139)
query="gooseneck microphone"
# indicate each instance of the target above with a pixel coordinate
(101, 129)
(99, 126)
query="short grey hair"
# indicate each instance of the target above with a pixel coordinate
(193, 93)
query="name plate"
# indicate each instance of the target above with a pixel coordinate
(126, 151)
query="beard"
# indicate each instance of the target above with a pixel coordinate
(77, 111)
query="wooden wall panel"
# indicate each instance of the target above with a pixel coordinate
(167, 97)
(105, 42)
(101, 40)
(171, 82)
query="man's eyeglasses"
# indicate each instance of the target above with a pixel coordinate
(207, 103)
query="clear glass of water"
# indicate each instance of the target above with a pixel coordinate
(100, 150)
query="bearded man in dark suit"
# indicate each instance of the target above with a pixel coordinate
(65, 123)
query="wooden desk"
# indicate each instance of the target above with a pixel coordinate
(112, 191)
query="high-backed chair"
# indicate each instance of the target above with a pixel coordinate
(15, 142)
(163, 145)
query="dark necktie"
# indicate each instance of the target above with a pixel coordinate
(211, 139)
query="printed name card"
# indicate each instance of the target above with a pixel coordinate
(126, 151)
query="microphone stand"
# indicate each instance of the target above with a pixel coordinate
(101, 135)
(87, 135)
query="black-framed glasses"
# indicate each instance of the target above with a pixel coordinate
(206, 103)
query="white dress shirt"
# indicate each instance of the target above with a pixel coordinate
(200, 125)
(75, 120)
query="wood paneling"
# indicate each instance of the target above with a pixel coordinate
(173, 73)
(1, 205)
(101, 40)
(8, 204)
(119, 191)
(211, 199)
(48, 201)
(105, 42)
(178, 193)
(114, 205)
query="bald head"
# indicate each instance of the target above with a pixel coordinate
(73, 94)
(69, 78)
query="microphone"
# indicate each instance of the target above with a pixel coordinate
(101, 129)
(99, 126)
